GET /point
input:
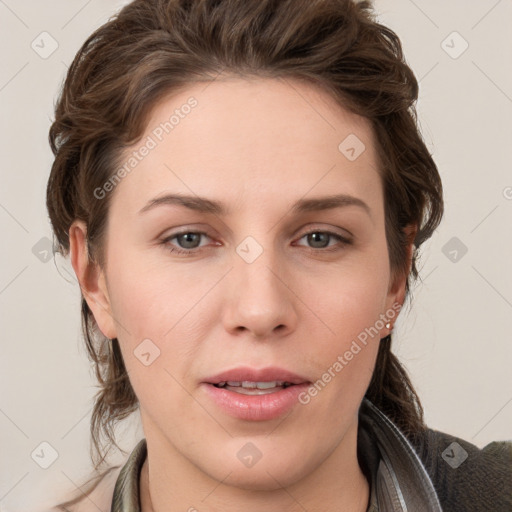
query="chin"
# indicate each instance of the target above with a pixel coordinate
(262, 479)
(268, 472)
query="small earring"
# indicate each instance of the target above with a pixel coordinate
(388, 325)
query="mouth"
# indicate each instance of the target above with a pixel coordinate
(254, 388)
(255, 394)
(247, 380)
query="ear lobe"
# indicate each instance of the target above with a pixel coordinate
(91, 278)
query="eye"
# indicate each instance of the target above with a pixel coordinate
(320, 240)
(187, 239)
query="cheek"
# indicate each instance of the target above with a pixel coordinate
(150, 299)
(347, 337)
(158, 316)
(350, 302)
(346, 362)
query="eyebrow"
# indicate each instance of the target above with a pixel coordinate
(204, 205)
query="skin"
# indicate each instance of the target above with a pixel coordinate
(257, 146)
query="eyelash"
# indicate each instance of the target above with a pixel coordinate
(189, 252)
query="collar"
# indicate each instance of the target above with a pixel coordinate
(400, 482)
(398, 479)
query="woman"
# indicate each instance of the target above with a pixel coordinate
(242, 190)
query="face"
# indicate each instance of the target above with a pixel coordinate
(253, 275)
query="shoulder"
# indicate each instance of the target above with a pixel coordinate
(467, 478)
(93, 496)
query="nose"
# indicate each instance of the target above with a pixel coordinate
(259, 298)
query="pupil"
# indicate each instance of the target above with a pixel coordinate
(186, 237)
(313, 238)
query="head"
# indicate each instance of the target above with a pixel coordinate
(259, 107)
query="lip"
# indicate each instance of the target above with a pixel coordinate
(255, 407)
(256, 375)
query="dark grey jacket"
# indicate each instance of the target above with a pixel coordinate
(439, 473)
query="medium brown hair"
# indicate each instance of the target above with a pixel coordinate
(152, 48)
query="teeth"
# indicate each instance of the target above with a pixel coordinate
(251, 385)
(264, 385)
(254, 385)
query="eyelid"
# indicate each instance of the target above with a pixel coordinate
(342, 240)
(171, 236)
(331, 230)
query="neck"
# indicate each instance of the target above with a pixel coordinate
(170, 482)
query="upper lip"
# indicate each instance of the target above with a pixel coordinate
(246, 373)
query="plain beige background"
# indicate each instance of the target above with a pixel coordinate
(455, 340)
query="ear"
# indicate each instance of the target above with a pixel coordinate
(396, 292)
(91, 278)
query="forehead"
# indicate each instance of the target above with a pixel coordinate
(241, 138)
(259, 108)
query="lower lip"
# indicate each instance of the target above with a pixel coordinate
(255, 407)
